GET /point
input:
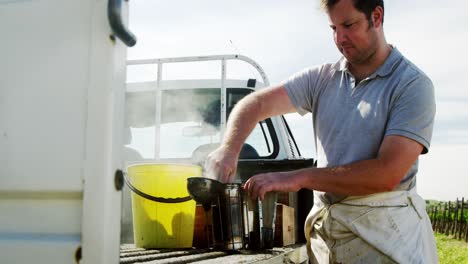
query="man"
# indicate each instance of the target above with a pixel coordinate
(373, 114)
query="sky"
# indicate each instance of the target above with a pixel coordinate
(286, 36)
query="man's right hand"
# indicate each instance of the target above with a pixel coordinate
(221, 164)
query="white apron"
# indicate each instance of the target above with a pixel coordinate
(380, 228)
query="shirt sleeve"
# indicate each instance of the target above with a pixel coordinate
(300, 88)
(413, 111)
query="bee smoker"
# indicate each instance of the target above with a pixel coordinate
(240, 222)
(228, 218)
(233, 221)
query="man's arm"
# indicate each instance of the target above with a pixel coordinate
(395, 157)
(255, 107)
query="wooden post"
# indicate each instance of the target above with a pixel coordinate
(439, 219)
(462, 220)
(442, 219)
(447, 218)
(455, 219)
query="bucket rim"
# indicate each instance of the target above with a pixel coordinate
(164, 163)
(155, 198)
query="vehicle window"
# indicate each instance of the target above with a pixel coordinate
(260, 139)
(291, 140)
(140, 144)
(189, 118)
(190, 125)
(181, 139)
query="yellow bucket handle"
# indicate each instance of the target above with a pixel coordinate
(154, 198)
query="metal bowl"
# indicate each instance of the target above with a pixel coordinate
(204, 190)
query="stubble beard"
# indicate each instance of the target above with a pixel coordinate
(362, 56)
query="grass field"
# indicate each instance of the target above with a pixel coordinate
(451, 250)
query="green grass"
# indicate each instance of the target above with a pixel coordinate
(451, 250)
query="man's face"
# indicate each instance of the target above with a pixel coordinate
(354, 37)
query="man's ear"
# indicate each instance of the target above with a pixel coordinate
(377, 16)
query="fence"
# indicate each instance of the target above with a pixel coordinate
(450, 218)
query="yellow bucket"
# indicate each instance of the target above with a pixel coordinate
(163, 212)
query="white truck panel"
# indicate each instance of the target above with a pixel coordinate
(45, 64)
(38, 216)
(38, 250)
(37, 230)
(62, 84)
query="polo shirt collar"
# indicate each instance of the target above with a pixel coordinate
(385, 69)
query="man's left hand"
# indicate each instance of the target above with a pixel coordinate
(257, 186)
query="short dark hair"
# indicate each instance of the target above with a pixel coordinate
(365, 6)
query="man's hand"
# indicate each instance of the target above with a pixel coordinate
(221, 164)
(258, 185)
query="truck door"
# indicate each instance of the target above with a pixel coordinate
(61, 109)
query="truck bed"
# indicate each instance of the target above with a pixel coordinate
(296, 253)
(293, 254)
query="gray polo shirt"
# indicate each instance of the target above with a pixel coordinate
(350, 120)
